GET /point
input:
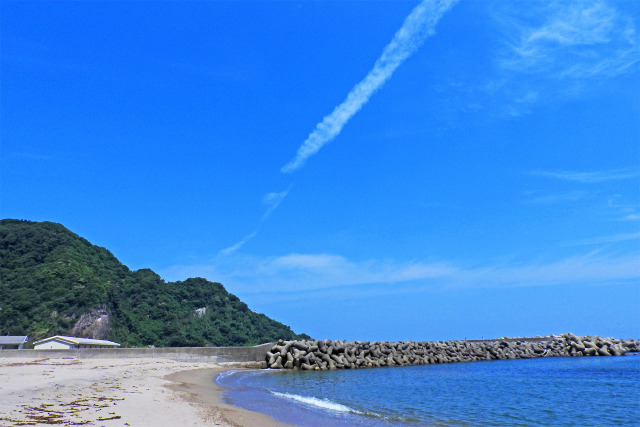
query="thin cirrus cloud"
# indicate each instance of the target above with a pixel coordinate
(231, 249)
(592, 177)
(617, 238)
(577, 39)
(556, 50)
(566, 197)
(271, 201)
(419, 25)
(299, 273)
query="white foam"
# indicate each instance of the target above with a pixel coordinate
(224, 374)
(320, 403)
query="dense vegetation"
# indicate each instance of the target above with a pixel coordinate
(50, 277)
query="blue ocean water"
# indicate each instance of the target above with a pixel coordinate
(588, 391)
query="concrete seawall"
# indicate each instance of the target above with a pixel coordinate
(180, 354)
(322, 355)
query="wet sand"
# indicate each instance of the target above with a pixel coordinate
(199, 388)
(116, 392)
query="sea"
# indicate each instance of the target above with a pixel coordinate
(554, 391)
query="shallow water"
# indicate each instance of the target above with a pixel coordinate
(532, 392)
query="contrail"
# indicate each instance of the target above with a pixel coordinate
(419, 25)
(232, 249)
(271, 201)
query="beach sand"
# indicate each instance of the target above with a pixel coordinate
(116, 392)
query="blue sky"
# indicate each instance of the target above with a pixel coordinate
(357, 170)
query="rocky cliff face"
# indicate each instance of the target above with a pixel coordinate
(94, 324)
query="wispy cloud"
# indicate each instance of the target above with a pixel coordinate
(618, 206)
(616, 238)
(555, 50)
(548, 199)
(231, 249)
(592, 177)
(272, 201)
(300, 273)
(419, 25)
(416, 28)
(624, 209)
(576, 39)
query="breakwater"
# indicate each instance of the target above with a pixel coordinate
(327, 354)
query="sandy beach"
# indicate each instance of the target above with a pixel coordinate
(116, 392)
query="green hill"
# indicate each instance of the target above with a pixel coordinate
(53, 282)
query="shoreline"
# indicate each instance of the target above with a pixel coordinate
(439, 394)
(198, 387)
(131, 392)
(169, 387)
(117, 392)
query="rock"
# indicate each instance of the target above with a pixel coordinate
(272, 358)
(578, 345)
(327, 354)
(278, 363)
(618, 350)
(301, 345)
(94, 324)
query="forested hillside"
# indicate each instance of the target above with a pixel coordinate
(54, 282)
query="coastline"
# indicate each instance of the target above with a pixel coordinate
(501, 392)
(198, 387)
(168, 387)
(116, 392)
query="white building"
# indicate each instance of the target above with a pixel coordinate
(13, 342)
(60, 342)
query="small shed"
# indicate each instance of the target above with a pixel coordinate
(14, 342)
(60, 342)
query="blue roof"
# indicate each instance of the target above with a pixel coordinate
(13, 339)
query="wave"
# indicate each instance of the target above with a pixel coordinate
(221, 376)
(319, 403)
